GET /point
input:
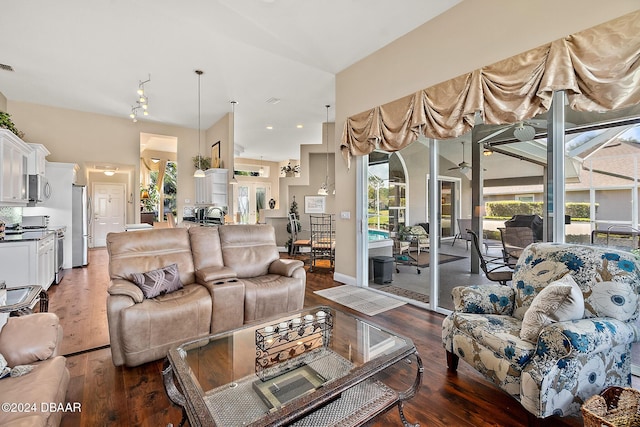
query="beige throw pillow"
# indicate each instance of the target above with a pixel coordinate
(559, 301)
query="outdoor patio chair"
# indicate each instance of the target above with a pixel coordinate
(514, 240)
(463, 225)
(494, 268)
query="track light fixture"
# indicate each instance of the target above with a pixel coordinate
(142, 101)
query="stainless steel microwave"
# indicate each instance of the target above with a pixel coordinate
(39, 188)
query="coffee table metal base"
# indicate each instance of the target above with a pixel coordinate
(354, 407)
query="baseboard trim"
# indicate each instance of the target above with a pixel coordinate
(343, 278)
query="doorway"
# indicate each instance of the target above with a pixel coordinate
(108, 211)
(252, 198)
(449, 206)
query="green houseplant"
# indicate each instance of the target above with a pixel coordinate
(7, 123)
(201, 162)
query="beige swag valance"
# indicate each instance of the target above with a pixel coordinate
(598, 69)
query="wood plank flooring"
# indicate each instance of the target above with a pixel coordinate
(121, 396)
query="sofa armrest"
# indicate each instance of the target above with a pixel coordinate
(126, 288)
(28, 339)
(285, 267)
(484, 299)
(584, 336)
(210, 274)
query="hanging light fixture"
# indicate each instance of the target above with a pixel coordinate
(324, 188)
(199, 173)
(142, 101)
(233, 181)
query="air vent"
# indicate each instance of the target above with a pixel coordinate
(273, 100)
(6, 67)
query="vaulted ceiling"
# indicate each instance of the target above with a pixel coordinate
(276, 58)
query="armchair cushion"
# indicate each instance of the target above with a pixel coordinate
(158, 282)
(483, 299)
(561, 300)
(499, 334)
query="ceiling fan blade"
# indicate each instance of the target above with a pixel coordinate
(537, 123)
(496, 133)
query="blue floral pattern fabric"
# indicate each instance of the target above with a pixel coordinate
(571, 360)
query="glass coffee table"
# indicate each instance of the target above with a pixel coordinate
(21, 299)
(315, 367)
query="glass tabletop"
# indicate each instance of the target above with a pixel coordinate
(20, 298)
(287, 365)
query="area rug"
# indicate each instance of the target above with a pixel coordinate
(360, 299)
(423, 259)
(390, 289)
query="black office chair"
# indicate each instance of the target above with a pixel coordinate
(499, 271)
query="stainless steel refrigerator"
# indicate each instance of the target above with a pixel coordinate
(79, 226)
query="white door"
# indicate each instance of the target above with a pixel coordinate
(252, 197)
(108, 211)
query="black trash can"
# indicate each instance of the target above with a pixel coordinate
(382, 269)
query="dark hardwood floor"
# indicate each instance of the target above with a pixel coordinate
(121, 396)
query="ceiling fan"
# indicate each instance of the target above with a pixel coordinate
(524, 130)
(463, 166)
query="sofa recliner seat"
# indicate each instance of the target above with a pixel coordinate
(232, 274)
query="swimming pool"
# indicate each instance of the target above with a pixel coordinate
(375, 235)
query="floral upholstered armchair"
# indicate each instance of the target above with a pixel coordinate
(559, 334)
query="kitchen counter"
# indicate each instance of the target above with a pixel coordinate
(26, 236)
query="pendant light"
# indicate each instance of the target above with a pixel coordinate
(324, 188)
(234, 181)
(199, 173)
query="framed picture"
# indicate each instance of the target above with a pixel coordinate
(314, 204)
(215, 155)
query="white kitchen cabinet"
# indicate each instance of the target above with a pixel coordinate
(13, 176)
(212, 189)
(36, 162)
(28, 262)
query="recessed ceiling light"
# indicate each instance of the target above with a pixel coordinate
(299, 126)
(269, 127)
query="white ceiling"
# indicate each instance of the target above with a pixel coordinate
(91, 55)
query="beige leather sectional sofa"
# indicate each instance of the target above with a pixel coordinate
(232, 274)
(38, 397)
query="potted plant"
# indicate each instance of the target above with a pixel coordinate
(201, 162)
(289, 170)
(7, 123)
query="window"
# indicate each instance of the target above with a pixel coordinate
(524, 197)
